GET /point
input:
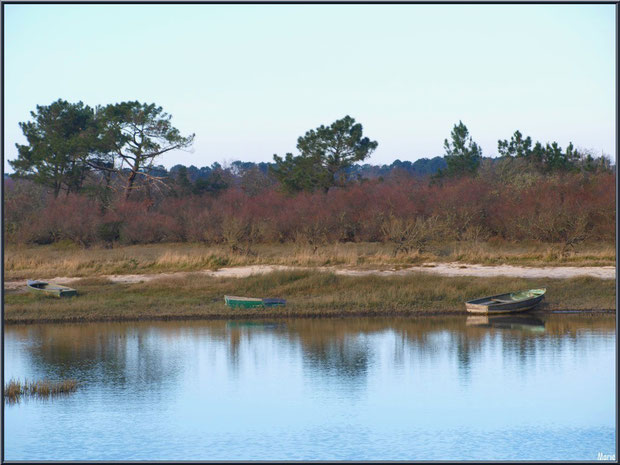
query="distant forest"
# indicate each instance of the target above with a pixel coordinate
(254, 177)
(237, 169)
(244, 174)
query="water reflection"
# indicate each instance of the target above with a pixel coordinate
(145, 354)
(255, 325)
(112, 354)
(355, 388)
(522, 322)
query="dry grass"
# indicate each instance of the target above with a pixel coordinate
(53, 261)
(534, 253)
(309, 294)
(15, 389)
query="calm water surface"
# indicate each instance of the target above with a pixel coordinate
(537, 387)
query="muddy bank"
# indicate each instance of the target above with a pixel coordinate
(287, 316)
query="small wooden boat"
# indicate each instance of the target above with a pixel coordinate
(50, 288)
(249, 302)
(507, 303)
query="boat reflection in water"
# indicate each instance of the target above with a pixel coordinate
(242, 324)
(519, 322)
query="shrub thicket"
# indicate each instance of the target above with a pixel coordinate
(566, 208)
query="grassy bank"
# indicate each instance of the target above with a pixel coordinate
(309, 294)
(67, 259)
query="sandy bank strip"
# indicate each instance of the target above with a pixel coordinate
(486, 271)
(446, 269)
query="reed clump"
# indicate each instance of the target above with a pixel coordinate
(15, 389)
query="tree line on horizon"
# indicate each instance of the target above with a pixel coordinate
(74, 148)
(103, 161)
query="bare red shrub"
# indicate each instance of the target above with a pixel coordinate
(73, 218)
(544, 209)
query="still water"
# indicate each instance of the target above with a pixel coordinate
(433, 388)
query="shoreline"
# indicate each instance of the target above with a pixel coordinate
(281, 316)
(309, 294)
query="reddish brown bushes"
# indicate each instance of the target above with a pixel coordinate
(552, 209)
(73, 218)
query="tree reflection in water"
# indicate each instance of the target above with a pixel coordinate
(301, 388)
(139, 355)
(136, 356)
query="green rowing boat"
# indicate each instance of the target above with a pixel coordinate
(507, 303)
(55, 290)
(250, 302)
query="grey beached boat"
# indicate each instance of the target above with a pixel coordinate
(55, 290)
(507, 303)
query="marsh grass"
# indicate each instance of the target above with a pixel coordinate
(308, 294)
(15, 390)
(51, 261)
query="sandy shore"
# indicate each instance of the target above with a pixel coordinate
(446, 269)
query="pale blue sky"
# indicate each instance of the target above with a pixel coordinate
(250, 79)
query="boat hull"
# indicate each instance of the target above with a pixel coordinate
(251, 302)
(505, 303)
(243, 302)
(498, 311)
(51, 289)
